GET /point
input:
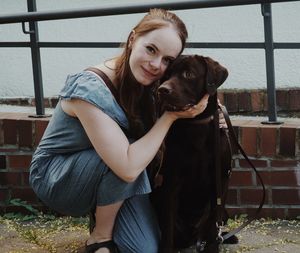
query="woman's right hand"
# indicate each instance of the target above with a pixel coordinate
(192, 111)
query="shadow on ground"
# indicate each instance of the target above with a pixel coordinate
(68, 235)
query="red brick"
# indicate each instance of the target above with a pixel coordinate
(293, 213)
(1, 133)
(231, 101)
(257, 163)
(281, 178)
(273, 213)
(268, 141)
(264, 213)
(241, 178)
(19, 161)
(24, 194)
(298, 141)
(284, 163)
(282, 100)
(294, 101)
(25, 101)
(265, 176)
(249, 140)
(257, 101)
(287, 141)
(47, 102)
(25, 180)
(2, 162)
(10, 131)
(286, 196)
(10, 178)
(234, 212)
(251, 196)
(233, 143)
(25, 133)
(285, 178)
(54, 102)
(231, 197)
(40, 127)
(3, 195)
(244, 101)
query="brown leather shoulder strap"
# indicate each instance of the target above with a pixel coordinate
(107, 81)
(112, 88)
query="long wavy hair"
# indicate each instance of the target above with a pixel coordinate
(137, 100)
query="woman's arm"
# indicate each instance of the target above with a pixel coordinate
(125, 159)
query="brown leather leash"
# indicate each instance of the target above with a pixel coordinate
(219, 190)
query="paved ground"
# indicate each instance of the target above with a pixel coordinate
(59, 236)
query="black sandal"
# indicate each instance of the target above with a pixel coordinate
(110, 245)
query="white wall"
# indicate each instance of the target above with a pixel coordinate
(227, 24)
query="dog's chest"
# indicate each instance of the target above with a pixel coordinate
(190, 137)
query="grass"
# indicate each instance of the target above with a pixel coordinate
(40, 232)
(49, 233)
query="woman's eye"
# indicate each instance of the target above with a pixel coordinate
(150, 49)
(188, 75)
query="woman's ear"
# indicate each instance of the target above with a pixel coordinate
(131, 38)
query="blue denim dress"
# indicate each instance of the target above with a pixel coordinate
(69, 176)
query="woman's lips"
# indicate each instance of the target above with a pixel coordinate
(148, 73)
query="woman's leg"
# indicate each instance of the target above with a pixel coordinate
(105, 219)
(136, 229)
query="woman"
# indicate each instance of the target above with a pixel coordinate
(97, 145)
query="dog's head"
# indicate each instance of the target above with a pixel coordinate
(187, 80)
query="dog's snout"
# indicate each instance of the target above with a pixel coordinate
(164, 90)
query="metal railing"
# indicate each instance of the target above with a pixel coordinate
(32, 16)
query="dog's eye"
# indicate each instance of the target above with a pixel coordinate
(188, 74)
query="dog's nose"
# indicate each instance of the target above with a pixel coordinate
(164, 90)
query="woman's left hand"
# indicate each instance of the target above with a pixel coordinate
(194, 110)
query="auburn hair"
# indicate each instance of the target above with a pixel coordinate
(137, 100)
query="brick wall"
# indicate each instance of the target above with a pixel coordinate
(275, 152)
(255, 101)
(274, 149)
(236, 100)
(19, 136)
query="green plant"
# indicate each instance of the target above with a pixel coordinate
(19, 216)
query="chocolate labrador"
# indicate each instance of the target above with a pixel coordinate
(186, 200)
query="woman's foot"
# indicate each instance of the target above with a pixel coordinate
(101, 247)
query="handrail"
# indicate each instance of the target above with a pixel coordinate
(229, 45)
(112, 9)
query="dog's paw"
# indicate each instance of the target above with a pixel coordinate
(231, 240)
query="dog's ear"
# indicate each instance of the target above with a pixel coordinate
(216, 75)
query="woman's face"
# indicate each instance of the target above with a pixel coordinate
(152, 53)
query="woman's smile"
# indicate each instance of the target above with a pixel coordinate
(149, 74)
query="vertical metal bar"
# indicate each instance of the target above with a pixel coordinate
(36, 62)
(269, 53)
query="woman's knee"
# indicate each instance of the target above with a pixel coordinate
(136, 228)
(149, 245)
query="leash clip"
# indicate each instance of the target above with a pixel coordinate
(200, 245)
(220, 238)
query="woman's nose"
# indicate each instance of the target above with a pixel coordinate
(155, 62)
